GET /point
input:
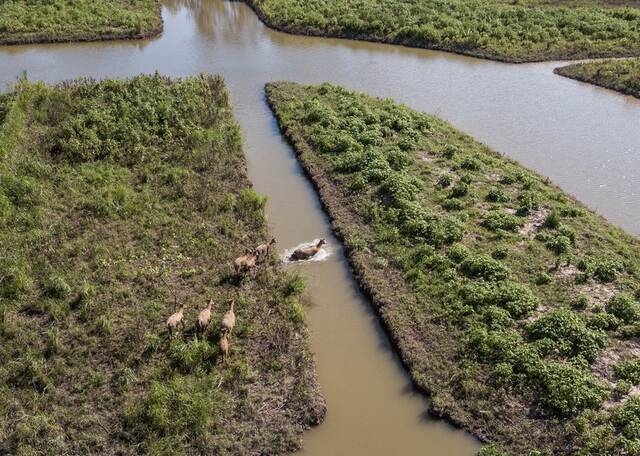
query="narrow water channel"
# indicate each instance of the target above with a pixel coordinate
(585, 139)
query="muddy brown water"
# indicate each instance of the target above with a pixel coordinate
(586, 139)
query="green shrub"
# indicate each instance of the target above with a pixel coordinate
(629, 370)
(501, 220)
(491, 450)
(458, 252)
(528, 201)
(626, 418)
(625, 307)
(607, 270)
(459, 190)
(603, 321)
(497, 195)
(580, 302)
(569, 334)
(559, 244)
(496, 318)
(552, 220)
(515, 298)
(471, 164)
(452, 205)
(485, 267)
(566, 390)
(444, 181)
(450, 151)
(501, 252)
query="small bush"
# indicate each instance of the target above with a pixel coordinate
(559, 244)
(580, 302)
(629, 370)
(607, 270)
(501, 220)
(458, 253)
(515, 298)
(450, 151)
(452, 205)
(566, 390)
(626, 418)
(625, 307)
(444, 181)
(459, 190)
(497, 195)
(528, 201)
(552, 220)
(568, 333)
(603, 321)
(485, 267)
(501, 252)
(471, 164)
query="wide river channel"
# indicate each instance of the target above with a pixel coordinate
(585, 139)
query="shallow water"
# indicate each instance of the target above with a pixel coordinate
(585, 139)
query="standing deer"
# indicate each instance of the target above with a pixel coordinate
(204, 317)
(263, 250)
(175, 319)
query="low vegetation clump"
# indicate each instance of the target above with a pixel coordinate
(120, 202)
(620, 75)
(29, 21)
(516, 31)
(512, 310)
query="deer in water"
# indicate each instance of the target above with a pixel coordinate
(263, 250)
(307, 252)
(204, 317)
(229, 319)
(245, 262)
(175, 319)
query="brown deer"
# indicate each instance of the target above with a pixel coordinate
(263, 250)
(224, 347)
(229, 320)
(307, 252)
(245, 263)
(176, 319)
(204, 317)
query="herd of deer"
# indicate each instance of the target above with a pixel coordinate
(242, 264)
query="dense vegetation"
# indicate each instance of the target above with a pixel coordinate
(513, 305)
(518, 31)
(117, 199)
(37, 21)
(620, 75)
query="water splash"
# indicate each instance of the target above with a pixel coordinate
(324, 253)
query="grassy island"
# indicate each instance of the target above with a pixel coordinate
(620, 75)
(120, 201)
(514, 306)
(35, 21)
(514, 31)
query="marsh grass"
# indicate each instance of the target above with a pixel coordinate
(619, 75)
(34, 21)
(117, 200)
(511, 31)
(481, 301)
